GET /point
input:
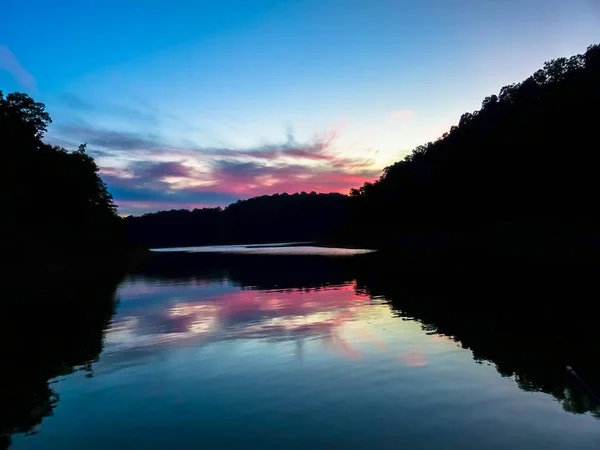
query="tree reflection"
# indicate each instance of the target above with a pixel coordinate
(529, 320)
(255, 271)
(525, 318)
(48, 328)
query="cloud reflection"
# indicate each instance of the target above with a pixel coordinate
(273, 316)
(414, 358)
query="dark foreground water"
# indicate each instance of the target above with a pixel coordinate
(251, 351)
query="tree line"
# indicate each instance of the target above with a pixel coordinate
(522, 167)
(528, 159)
(268, 218)
(524, 162)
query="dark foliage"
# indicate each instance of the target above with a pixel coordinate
(525, 163)
(520, 172)
(58, 235)
(269, 218)
(53, 201)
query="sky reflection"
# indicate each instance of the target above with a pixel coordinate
(288, 248)
(153, 315)
(157, 317)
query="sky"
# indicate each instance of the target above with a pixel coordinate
(196, 103)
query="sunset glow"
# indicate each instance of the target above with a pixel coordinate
(206, 103)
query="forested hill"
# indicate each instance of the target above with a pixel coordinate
(524, 166)
(527, 160)
(55, 207)
(268, 218)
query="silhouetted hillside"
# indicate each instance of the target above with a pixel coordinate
(518, 173)
(269, 218)
(524, 165)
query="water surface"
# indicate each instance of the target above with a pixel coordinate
(272, 352)
(284, 248)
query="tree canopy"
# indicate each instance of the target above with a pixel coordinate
(529, 155)
(51, 198)
(267, 218)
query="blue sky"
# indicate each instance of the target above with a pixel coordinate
(193, 103)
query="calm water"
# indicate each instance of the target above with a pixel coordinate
(285, 248)
(269, 354)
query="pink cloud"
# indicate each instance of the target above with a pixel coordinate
(228, 175)
(145, 191)
(401, 116)
(249, 179)
(10, 64)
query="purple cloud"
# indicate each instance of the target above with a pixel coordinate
(149, 174)
(150, 170)
(113, 139)
(149, 144)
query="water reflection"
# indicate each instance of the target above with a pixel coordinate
(219, 340)
(489, 306)
(530, 321)
(48, 328)
(285, 248)
(198, 316)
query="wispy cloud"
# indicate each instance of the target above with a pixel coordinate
(148, 172)
(145, 191)
(161, 170)
(75, 102)
(211, 177)
(150, 144)
(126, 109)
(248, 179)
(113, 139)
(10, 64)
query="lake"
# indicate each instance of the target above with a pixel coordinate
(293, 347)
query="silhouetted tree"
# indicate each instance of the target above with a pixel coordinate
(527, 159)
(52, 199)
